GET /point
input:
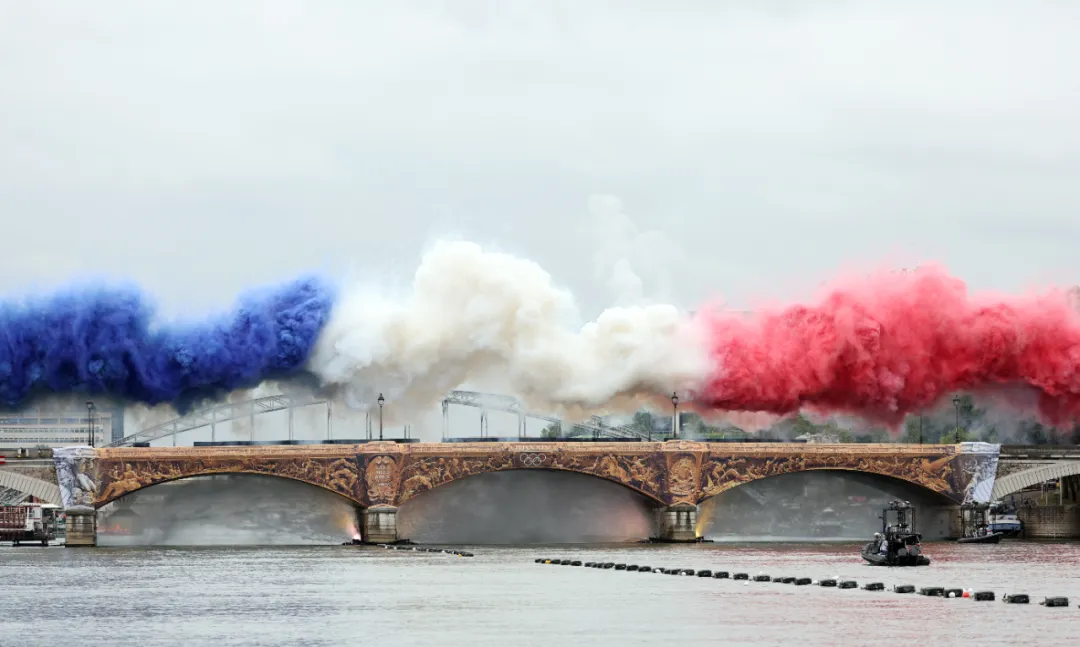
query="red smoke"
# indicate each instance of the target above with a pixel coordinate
(894, 344)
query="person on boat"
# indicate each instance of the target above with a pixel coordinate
(883, 544)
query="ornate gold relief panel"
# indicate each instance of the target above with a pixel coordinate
(120, 477)
(721, 473)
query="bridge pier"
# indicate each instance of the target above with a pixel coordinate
(378, 525)
(678, 523)
(80, 527)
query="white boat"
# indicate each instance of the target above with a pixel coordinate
(1002, 519)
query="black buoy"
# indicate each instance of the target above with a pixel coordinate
(762, 578)
(631, 567)
(540, 560)
(704, 573)
(847, 584)
(1056, 601)
(932, 591)
(904, 588)
(1016, 598)
(672, 571)
(620, 567)
(953, 593)
(608, 565)
(565, 562)
(786, 580)
(874, 586)
(645, 568)
(983, 596)
(721, 575)
(686, 571)
(802, 581)
(575, 563)
(740, 576)
(829, 582)
(590, 564)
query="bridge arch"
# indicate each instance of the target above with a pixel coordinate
(112, 499)
(1017, 481)
(870, 478)
(937, 474)
(23, 485)
(417, 485)
(119, 478)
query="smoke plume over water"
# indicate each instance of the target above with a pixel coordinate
(878, 347)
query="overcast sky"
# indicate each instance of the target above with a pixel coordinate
(758, 146)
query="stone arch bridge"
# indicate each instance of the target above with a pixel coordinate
(380, 476)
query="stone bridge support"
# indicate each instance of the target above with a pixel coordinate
(378, 525)
(678, 523)
(81, 527)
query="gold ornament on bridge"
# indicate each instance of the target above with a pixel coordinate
(380, 479)
(682, 477)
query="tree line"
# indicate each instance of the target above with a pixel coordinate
(966, 422)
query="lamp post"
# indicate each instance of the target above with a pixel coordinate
(381, 401)
(956, 404)
(674, 415)
(90, 422)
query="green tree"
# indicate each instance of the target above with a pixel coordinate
(801, 425)
(645, 422)
(551, 431)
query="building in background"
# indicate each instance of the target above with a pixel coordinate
(38, 428)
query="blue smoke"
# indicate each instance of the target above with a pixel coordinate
(104, 341)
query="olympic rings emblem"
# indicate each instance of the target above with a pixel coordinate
(533, 460)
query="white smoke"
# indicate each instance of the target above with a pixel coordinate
(482, 317)
(636, 265)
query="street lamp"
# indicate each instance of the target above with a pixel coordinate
(381, 401)
(674, 415)
(90, 422)
(956, 403)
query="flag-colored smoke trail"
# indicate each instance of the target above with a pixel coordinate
(104, 341)
(879, 347)
(894, 343)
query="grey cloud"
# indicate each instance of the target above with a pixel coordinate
(200, 148)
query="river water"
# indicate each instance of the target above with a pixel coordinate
(338, 595)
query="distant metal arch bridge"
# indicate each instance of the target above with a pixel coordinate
(15, 487)
(211, 416)
(486, 402)
(1017, 481)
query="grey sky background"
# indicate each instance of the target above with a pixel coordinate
(758, 147)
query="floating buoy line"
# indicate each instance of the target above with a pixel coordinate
(420, 549)
(929, 591)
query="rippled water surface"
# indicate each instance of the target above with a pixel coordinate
(351, 595)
